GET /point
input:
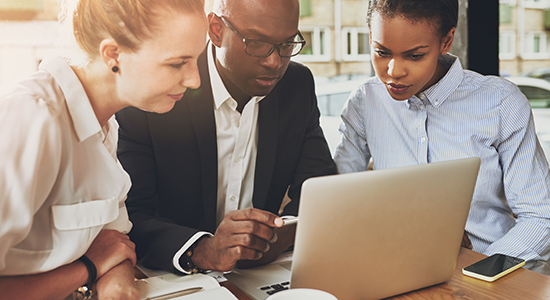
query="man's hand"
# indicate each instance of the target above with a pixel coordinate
(242, 235)
(286, 235)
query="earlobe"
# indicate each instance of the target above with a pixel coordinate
(109, 51)
(214, 29)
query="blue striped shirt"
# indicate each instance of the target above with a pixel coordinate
(465, 114)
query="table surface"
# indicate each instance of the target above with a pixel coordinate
(520, 284)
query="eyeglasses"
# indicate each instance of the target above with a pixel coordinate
(258, 48)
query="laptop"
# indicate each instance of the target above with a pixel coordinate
(374, 234)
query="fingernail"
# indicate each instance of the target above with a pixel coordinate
(279, 222)
(266, 248)
(274, 238)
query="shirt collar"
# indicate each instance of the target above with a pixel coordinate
(82, 114)
(439, 92)
(219, 91)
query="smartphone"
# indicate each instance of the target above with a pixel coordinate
(493, 267)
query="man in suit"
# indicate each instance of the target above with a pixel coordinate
(209, 177)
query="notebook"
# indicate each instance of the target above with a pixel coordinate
(374, 234)
(170, 286)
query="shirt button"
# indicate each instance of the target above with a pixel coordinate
(421, 106)
(423, 140)
(236, 124)
(237, 160)
(232, 198)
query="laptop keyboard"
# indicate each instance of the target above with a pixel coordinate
(274, 288)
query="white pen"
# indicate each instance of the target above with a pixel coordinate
(176, 294)
(289, 220)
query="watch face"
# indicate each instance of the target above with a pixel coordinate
(83, 293)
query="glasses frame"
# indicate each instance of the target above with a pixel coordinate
(273, 46)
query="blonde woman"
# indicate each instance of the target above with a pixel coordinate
(62, 214)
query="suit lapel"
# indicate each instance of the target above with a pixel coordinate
(267, 147)
(201, 107)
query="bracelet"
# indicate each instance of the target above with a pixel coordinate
(186, 261)
(86, 290)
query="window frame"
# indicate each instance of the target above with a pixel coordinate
(316, 44)
(354, 56)
(528, 52)
(508, 36)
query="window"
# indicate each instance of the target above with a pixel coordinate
(507, 45)
(505, 13)
(355, 44)
(508, 2)
(536, 3)
(317, 46)
(536, 45)
(305, 8)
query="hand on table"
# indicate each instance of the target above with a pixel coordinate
(118, 283)
(242, 235)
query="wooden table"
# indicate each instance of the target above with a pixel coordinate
(520, 284)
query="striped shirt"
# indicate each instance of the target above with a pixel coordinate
(465, 114)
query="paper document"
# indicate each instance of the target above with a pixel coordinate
(170, 283)
(220, 293)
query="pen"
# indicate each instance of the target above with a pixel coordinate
(289, 220)
(176, 294)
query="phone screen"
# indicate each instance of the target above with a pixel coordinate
(494, 265)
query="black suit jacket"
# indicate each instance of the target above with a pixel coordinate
(172, 161)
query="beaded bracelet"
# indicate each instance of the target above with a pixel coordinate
(186, 260)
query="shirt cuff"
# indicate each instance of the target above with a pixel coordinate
(187, 245)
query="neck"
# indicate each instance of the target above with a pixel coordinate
(235, 92)
(439, 73)
(99, 85)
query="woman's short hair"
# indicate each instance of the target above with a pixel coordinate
(128, 22)
(443, 14)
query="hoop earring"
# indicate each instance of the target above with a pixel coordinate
(115, 69)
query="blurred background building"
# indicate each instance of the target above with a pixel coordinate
(337, 49)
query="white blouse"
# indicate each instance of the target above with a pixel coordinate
(60, 180)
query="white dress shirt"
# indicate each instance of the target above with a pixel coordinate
(237, 140)
(60, 180)
(465, 114)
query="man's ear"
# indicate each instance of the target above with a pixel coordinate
(109, 51)
(215, 28)
(447, 41)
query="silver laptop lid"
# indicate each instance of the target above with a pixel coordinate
(374, 234)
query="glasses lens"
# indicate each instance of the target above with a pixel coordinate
(290, 49)
(256, 48)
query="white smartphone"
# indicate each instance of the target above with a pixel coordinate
(493, 267)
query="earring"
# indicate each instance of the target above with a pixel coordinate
(115, 69)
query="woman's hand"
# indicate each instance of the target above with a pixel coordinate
(109, 249)
(118, 283)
